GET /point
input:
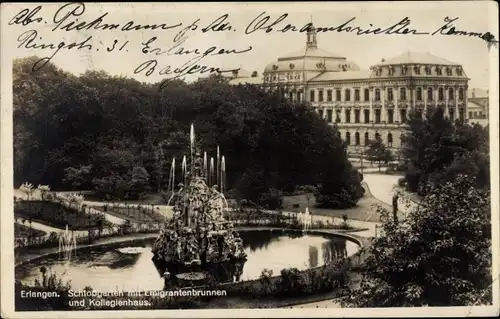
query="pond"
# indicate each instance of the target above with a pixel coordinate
(129, 267)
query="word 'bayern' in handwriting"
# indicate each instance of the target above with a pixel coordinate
(191, 67)
(27, 40)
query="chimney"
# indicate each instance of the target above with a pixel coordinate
(473, 92)
(235, 73)
(254, 74)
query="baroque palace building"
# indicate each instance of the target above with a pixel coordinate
(366, 104)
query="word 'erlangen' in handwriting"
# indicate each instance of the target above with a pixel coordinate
(187, 68)
(449, 29)
(65, 20)
(263, 22)
(26, 16)
(178, 49)
(27, 40)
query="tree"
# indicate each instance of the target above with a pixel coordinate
(440, 255)
(378, 153)
(77, 176)
(437, 148)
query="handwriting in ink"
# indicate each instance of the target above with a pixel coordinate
(261, 22)
(26, 16)
(27, 40)
(179, 49)
(449, 29)
(115, 42)
(218, 25)
(65, 19)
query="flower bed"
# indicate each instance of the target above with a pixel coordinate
(57, 215)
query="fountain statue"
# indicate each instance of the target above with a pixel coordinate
(197, 236)
(305, 219)
(67, 245)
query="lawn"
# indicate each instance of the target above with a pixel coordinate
(26, 231)
(56, 215)
(364, 210)
(135, 214)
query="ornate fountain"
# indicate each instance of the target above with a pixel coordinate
(198, 241)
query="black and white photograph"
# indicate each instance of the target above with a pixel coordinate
(249, 159)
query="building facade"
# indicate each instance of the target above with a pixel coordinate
(367, 104)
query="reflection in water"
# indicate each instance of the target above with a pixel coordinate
(130, 267)
(334, 250)
(313, 256)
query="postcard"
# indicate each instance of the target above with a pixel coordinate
(223, 160)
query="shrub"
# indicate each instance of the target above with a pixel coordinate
(402, 182)
(412, 178)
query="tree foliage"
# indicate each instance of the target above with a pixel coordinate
(440, 255)
(438, 149)
(127, 133)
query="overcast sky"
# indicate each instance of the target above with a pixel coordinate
(365, 50)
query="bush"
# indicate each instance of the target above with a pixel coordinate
(295, 205)
(402, 182)
(412, 178)
(272, 199)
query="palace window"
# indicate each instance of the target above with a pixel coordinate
(390, 116)
(391, 70)
(377, 94)
(377, 136)
(367, 94)
(356, 139)
(348, 138)
(337, 95)
(439, 71)
(404, 70)
(329, 95)
(337, 116)
(356, 116)
(378, 72)
(356, 95)
(450, 94)
(390, 96)
(377, 116)
(367, 139)
(312, 96)
(461, 114)
(460, 94)
(367, 116)
(470, 114)
(348, 116)
(403, 115)
(440, 94)
(451, 112)
(329, 115)
(402, 94)
(430, 94)
(347, 95)
(428, 70)
(389, 140)
(459, 71)
(417, 70)
(449, 72)
(320, 95)
(419, 94)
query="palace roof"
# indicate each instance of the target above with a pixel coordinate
(417, 58)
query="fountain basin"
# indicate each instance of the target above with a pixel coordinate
(105, 268)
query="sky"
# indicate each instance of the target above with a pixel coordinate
(364, 50)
